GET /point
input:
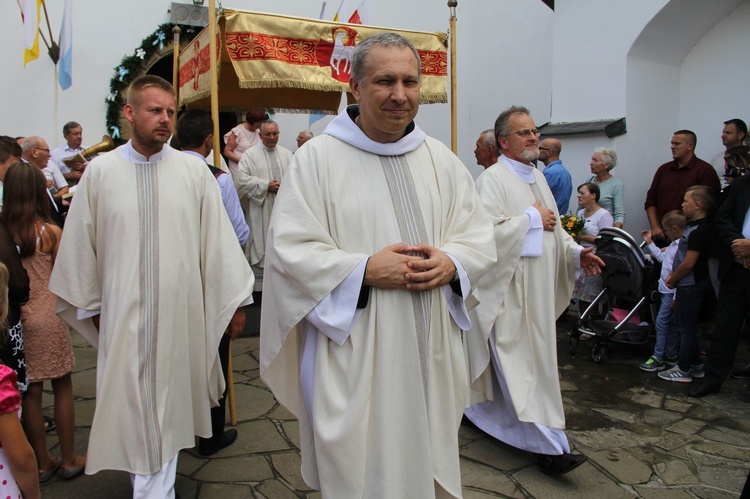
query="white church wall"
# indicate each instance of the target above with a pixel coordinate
(491, 36)
(650, 62)
(714, 81)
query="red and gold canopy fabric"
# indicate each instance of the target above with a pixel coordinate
(272, 51)
(294, 64)
(195, 68)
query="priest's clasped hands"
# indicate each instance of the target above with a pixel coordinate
(395, 267)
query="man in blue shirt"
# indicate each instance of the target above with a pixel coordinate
(558, 178)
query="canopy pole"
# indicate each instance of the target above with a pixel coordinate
(214, 80)
(176, 30)
(452, 4)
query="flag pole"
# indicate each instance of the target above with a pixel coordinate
(452, 4)
(53, 49)
(214, 79)
(217, 163)
(176, 30)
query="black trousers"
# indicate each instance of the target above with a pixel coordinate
(734, 302)
(218, 413)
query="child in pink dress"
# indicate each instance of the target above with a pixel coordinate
(18, 476)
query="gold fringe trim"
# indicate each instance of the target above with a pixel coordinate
(194, 97)
(302, 111)
(433, 98)
(321, 87)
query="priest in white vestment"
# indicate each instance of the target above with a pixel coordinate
(376, 238)
(512, 346)
(150, 255)
(259, 176)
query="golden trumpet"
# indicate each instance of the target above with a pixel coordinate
(107, 144)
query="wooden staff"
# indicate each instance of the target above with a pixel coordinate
(217, 162)
(230, 390)
(215, 96)
(452, 4)
(176, 61)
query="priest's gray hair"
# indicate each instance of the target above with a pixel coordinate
(359, 58)
(267, 122)
(501, 123)
(488, 139)
(609, 156)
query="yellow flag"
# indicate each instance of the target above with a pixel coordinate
(31, 18)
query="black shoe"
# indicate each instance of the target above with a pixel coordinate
(559, 465)
(704, 389)
(209, 446)
(743, 373)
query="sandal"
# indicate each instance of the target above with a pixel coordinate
(46, 475)
(71, 473)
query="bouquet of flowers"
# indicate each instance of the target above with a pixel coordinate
(573, 225)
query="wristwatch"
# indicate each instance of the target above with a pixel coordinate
(455, 276)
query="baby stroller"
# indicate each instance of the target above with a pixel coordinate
(630, 288)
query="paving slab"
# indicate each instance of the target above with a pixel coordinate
(608, 438)
(719, 472)
(725, 435)
(675, 472)
(642, 396)
(662, 493)
(617, 414)
(252, 402)
(225, 491)
(497, 455)
(644, 438)
(482, 479)
(288, 465)
(687, 426)
(704, 492)
(584, 481)
(622, 465)
(677, 405)
(239, 469)
(275, 489)
(658, 417)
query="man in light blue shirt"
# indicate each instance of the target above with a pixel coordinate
(195, 136)
(558, 178)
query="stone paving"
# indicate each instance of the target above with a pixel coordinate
(644, 438)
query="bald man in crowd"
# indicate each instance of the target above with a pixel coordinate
(486, 149)
(558, 178)
(303, 137)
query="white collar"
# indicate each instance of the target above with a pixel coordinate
(129, 154)
(524, 171)
(196, 154)
(344, 128)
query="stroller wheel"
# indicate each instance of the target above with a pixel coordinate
(574, 339)
(599, 353)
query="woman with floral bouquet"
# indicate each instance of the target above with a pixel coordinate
(595, 218)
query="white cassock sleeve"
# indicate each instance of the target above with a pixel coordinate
(532, 243)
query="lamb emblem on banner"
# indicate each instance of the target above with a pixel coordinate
(342, 52)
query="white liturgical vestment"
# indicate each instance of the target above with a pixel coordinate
(513, 348)
(379, 390)
(149, 244)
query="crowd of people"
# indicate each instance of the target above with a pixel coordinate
(399, 294)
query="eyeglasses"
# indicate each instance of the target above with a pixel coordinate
(542, 148)
(525, 133)
(42, 149)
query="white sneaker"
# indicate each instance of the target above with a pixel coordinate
(676, 375)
